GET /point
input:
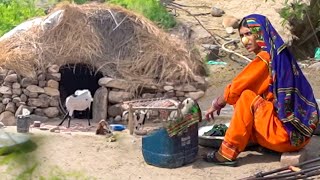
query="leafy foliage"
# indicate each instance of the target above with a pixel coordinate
(293, 11)
(152, 9)
(14, 12)
(21, 163)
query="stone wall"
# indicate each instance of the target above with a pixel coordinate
(41, 95)
(117, 92)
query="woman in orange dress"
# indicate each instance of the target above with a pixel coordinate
(274, 104)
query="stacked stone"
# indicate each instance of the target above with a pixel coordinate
(118, 92)
(39, 95)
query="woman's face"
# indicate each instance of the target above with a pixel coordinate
(249, 40)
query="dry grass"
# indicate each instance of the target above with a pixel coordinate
(113, 40)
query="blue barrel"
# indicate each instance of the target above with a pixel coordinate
(161, 150)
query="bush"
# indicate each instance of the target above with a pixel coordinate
(151, 9)
(14, 12)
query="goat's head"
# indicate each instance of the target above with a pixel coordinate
(86, 93)
(188, 103)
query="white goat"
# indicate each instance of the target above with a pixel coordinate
(79, 101)
(186, 109)
(139, 118)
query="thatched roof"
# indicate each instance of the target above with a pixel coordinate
(117, 42)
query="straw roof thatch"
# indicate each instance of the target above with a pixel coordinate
(113, 40)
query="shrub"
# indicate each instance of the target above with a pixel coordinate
(14, 12)
(151, 9)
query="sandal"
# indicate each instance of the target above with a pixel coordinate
(211, 158)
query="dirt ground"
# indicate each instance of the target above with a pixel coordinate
(92, 156)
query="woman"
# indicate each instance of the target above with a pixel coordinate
(274, 103)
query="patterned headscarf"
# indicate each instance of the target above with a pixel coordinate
(294, 100)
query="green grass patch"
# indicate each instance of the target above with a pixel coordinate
(152, 9)
(14, 12)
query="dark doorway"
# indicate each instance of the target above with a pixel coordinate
(78, 76)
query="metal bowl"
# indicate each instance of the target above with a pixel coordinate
(209, 141)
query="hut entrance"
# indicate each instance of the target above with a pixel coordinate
(75, 77)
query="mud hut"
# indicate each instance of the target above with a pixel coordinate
(117, 54)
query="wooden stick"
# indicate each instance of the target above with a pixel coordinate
(261, 174)
(131, 121)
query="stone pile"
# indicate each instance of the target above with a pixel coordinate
(41, 95)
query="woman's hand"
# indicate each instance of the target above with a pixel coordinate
(216, 106)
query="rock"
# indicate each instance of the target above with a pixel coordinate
(195, 95)
(16, 100)
(8, 84)
(54, 76)
(41, 77)
(120, 96)
(23, 98)
(16, 85)
(39, 112)
(114, 83)
(6, 96)
(54, 101)
(100, 104)
(185, 88)
(200, 80)
(26, 92)
(10, 72)
(11, 107)
(38, 118)
(45, 98)
(33, 95)
(5, 90)
(35, 89)
(44, 128)
(168, 88)
(216, 12)
(230, 21)
(229, 30)
(12, 78)
(53, 84)
(36, 123)
(7, 118)
(25, 82)
(117, 118)
(5, 101)
(17, 91)
(37, 102)
(180, 93)
(42, 84)
(54, 69)
(20, 103)
(148, 95)
(141, 132)
(3, 71)
(55, 129)
(292, 158)
(2, 107)
(159, 95)
(52, 92)
(115, 110)
(169, 94)
(19, 110)
(51, 112)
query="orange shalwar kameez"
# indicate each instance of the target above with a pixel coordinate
(254, 117)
